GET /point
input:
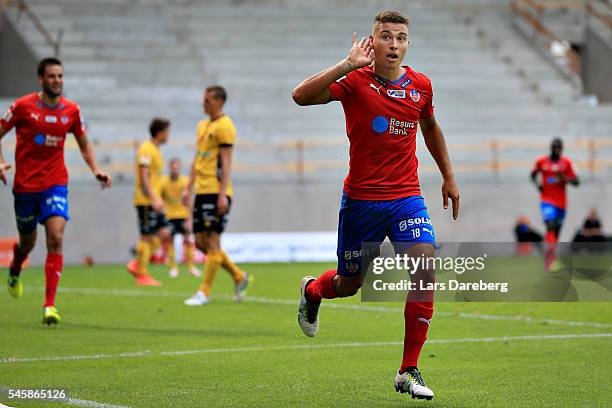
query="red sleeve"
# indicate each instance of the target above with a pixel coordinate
(341, 88)
(428, 110)
(78, 124)
(537, 167)
(11, 117)
(570, 170)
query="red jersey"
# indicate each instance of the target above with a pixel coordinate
(381, 124)
(553, 191)
(41, 133)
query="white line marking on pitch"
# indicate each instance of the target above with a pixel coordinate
(90, 404)
(72, 401)
(346, 306)
(147, 353)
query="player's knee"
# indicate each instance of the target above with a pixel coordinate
(165, 235)
(348, 287)
(54, 242)
(26, 246)
(200, 243)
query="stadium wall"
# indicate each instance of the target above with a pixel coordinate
(104, 224)
(596, 72)
(17, 69)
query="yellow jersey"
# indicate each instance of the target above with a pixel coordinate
(150, 156)
(211, 136)
(171, 193)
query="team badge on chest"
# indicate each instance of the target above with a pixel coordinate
(415, 96)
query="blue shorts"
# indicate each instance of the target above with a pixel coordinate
(551, 212)
(403, 220)
(33, 208)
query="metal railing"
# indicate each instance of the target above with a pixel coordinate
(297, 159)
(531, 13)
(601, 10)
(23, 9)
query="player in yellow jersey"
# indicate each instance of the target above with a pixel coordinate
(178, 215)
(210, 175)
(149, 168)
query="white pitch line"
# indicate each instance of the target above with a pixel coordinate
(147, 353)
(342, 306)
(71, 401)
(90, 404)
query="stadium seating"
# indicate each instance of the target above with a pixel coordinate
(126, 62)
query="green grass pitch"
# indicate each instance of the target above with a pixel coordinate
(124, 345)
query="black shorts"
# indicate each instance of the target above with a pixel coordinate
(205, 217)
(149, 220)
(177, 226)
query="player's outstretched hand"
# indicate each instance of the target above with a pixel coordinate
(450, 190)
(105, 179)
(3, 168)
(361, 53)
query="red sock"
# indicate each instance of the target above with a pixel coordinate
(322, 287)
(17, 262)
(550, 237)
(53, 271)
(416, 319)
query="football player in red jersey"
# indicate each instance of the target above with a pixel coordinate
(557, 172)
(40, 188)
(383, 103)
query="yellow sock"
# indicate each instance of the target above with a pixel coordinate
(189, 254)
(155, 244)
(143, 256)
(213, 263)
(170, 258)
(231, 267)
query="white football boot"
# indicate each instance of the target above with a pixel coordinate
(308, 312)
(412, 382)
(241, 287)
(198, 299)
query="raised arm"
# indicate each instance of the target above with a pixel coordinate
(90, 158)
(434, 140)
(315, 90)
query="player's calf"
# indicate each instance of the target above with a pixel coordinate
(20, 253)
(348, 286)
